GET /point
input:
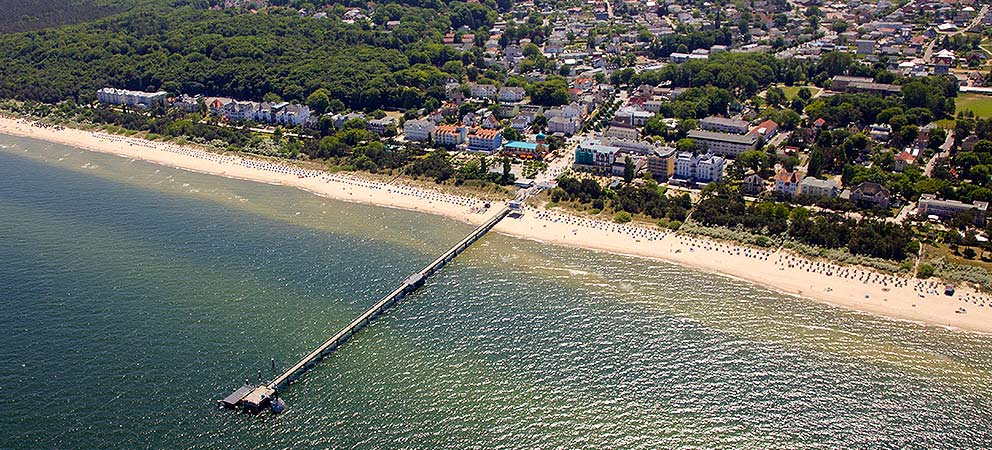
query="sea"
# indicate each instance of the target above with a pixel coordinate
(134, 296)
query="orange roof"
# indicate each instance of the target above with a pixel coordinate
(485, 134)
(786, 177)
(446, 129)
(905, 156)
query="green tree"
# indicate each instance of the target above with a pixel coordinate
(628, 169)
(319, 101)
(775, 96)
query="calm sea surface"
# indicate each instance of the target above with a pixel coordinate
(134, 296)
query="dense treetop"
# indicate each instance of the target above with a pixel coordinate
(246, 56)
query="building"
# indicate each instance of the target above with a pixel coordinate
(842, 83)
(137, 99)
(291, 114)
(418, 130)
(449, 135)
(622, 132)
(527, 150)
(930, 205)
(379, 126)
(865, 46)
(685, 167)
(620, 164)
(594, 156)
(486, 91)
(565, 125)
(661, 163)
(869, 194)
(511, 94)
(754, 184)
(903, 160)
(724, 144)
(486, 141)
(723, 125)
(786, 183)
(709, 168)
(767, 129)
(817, 188)
(880, 132)
(690, 168)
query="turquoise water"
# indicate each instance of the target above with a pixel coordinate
(135, 296)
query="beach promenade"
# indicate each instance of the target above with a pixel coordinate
(849, 287)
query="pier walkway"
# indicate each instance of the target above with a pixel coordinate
(256, 398)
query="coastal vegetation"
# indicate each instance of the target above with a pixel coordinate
(648, 200)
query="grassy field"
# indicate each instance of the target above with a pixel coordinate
(941, 250)
(979, 104)
(791, 91)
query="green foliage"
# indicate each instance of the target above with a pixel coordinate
(436, 165)
(622, 217)
(26, 15)
(244, 56)
(552, 92)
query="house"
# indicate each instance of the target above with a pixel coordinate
(511, 94)
(562, 124)
(903, 160)
(930, 205)
(483, 140)
(880, 132)
(869, 194)
(723, 125)
(817, 188)
(418, 130)
(521, 122)
(767, 129)
(291, 114)
(379, 126)
(724, 144)
(449, 135)
(485, 91)
(754, 184)
(786, 183)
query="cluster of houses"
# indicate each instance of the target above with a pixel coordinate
(610, 156)
(283, 113)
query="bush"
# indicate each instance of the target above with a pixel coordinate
(925, 271)
(621, 217)
(969, 253)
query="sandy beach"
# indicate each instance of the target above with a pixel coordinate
(848, 287)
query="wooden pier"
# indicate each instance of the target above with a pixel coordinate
(256, 398)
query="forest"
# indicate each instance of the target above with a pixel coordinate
(868, 237)
(248, 56)
(27, 15)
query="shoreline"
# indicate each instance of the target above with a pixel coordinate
(855, 288)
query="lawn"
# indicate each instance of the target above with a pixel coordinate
(979, 104)
(792, 91)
